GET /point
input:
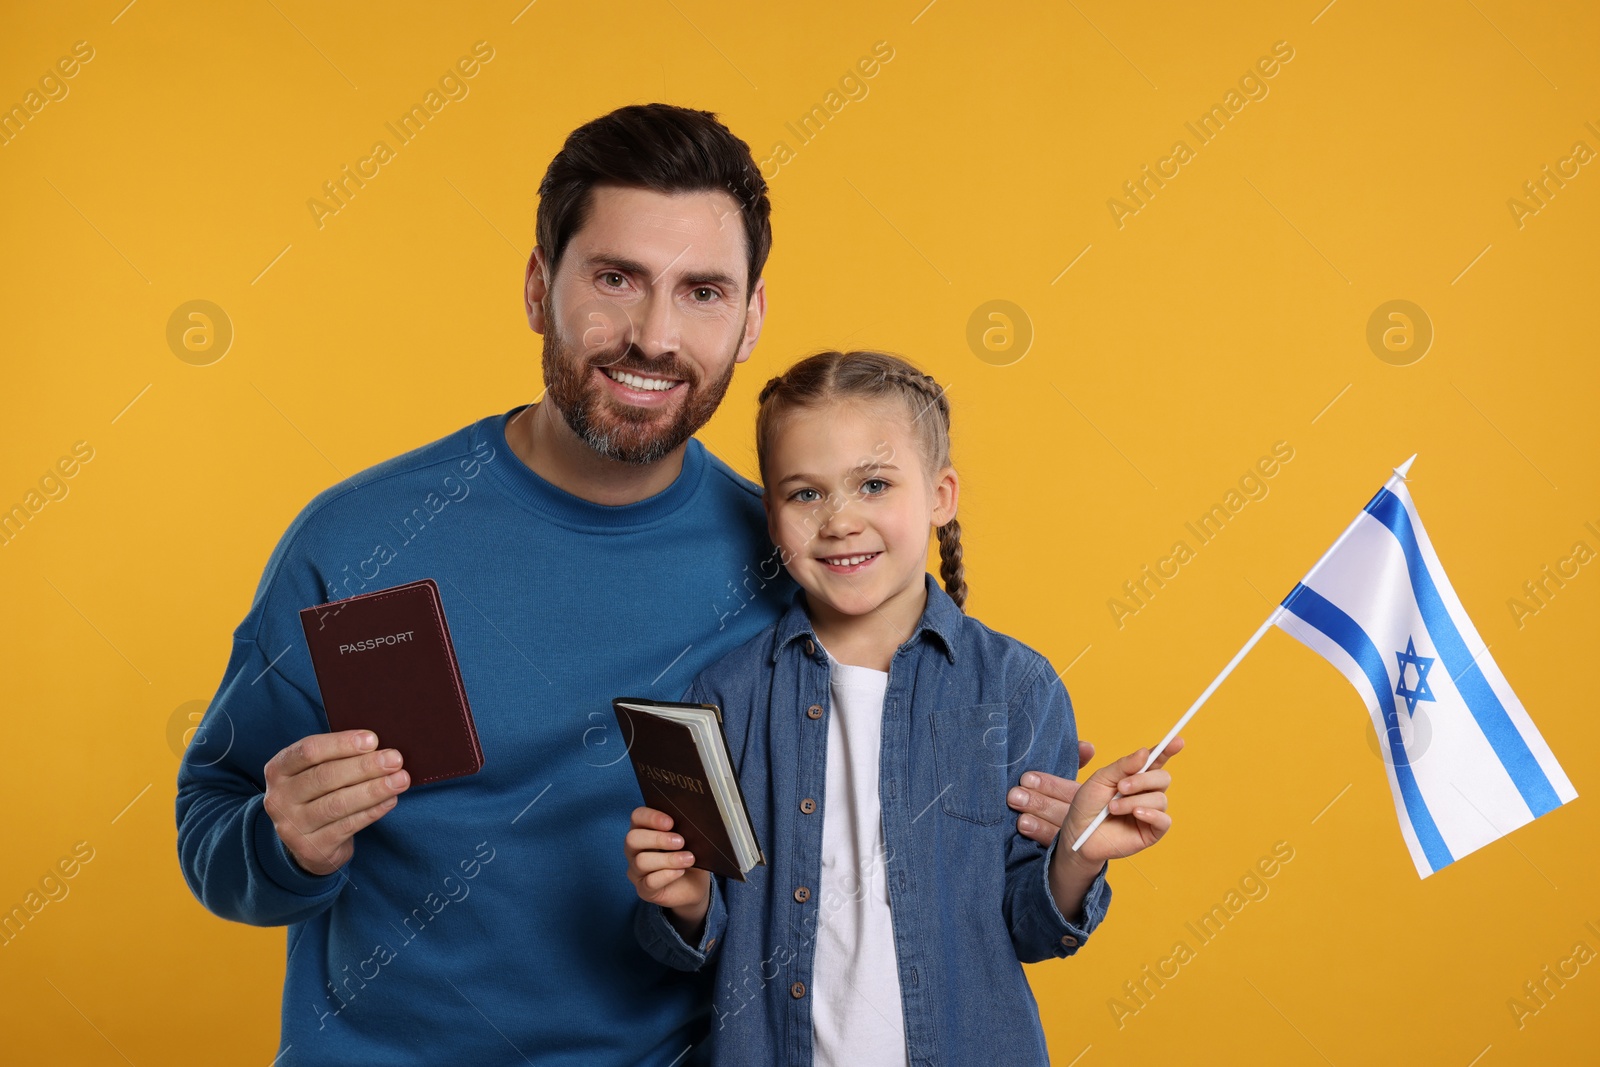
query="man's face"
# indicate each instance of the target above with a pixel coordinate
(645, 319)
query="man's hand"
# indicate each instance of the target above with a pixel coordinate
(324, 788)
(1043, 798)
(663, 876)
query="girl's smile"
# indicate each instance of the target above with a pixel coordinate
(849, 564)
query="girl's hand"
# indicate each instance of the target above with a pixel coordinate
(662, 876)
(1138, 802)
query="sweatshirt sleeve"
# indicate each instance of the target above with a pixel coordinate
(1039, 929)
(231, 855)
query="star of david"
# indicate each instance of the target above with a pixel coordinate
(1422, 665)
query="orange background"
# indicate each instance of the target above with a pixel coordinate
(1167, 354)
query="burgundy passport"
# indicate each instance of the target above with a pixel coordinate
(384, 663)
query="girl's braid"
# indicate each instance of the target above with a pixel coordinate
(771, 387)
(932, 397)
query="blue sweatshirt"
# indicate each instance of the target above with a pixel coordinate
(485, 919)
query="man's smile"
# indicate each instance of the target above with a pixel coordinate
(639, 389)
(651, 383)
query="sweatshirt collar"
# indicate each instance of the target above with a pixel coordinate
(522, 484)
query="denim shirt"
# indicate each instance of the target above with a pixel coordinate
(966, 711)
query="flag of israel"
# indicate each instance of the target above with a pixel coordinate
(1465, 763)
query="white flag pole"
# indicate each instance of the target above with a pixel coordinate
(1398, 476)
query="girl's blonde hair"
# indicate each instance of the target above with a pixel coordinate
(830, 377)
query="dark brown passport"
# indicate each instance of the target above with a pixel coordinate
(385, 663)
(673, 778)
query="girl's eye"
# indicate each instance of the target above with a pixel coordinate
(867, 486)
(798, 496)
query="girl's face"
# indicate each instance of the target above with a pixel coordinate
(851, 505)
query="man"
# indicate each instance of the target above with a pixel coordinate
(585, 547)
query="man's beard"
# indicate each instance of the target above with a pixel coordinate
(625, 433)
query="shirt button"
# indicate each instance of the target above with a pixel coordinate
(713, 941)
(811, 648)
(814, 711)
(797, 990)
(802, 894)
(808, 805)
(1069, 940)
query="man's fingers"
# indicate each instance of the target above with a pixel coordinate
(348, 826)
(1050, 785)
(322, 779)
(341, 804)
(328, 846)
(1042, 811)
(1044, 807)
(1037, 829)
(325, 788)
(320, 748)
(1044, 799)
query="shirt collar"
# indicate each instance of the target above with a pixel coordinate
(941, 619)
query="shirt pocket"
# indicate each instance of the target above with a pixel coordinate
(969, 755)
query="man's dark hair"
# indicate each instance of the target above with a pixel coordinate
(653, 146)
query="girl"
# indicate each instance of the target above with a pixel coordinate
(875, 729)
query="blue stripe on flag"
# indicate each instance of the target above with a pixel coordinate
(1306, 603)
(1492, 719)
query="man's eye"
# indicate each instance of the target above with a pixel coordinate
(711, 294)
(607, 277)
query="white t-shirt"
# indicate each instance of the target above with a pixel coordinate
(856, 1015)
